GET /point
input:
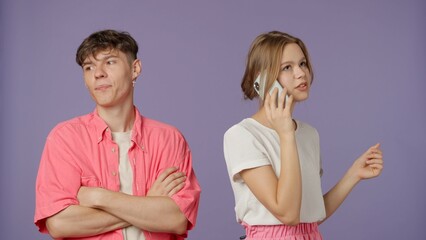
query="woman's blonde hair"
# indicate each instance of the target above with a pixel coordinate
(265, 56)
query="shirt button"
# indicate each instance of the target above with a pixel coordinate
(100, 138)
(143, 148)
(113, 149)
(114, 173)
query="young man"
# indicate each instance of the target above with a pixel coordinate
(115, 174)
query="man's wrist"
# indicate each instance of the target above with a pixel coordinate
(99, 197)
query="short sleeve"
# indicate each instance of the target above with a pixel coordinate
(318, 148)
(242, 151)
(57, 181)
(188, 197)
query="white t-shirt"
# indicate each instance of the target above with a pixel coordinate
(249, 144)
(125, 173)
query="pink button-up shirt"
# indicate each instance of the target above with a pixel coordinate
(81, 152)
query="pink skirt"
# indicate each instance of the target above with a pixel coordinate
(302, 231)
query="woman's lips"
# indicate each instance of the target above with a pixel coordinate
(302, 87)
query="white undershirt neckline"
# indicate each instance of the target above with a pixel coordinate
(125, 173)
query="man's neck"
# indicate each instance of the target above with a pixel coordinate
(118, 119)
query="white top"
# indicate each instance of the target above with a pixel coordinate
(126, 178)
(249, 144)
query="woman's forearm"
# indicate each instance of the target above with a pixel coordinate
(289, 189)
(335, 196)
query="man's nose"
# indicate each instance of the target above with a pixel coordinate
(100, 72)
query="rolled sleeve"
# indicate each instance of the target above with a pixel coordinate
(188, 198)
(57, 182)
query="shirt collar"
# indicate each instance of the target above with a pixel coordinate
(137, 129)
(102, 127)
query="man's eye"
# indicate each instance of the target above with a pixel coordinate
(88, 68)
(110, 62)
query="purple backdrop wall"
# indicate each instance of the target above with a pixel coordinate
(369, 63)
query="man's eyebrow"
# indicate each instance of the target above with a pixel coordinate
(86, 62)
(100, 58)
(106, 57)
(110, 56)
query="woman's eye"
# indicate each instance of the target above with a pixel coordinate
(110, 62)
(303, 64)
(286, 68)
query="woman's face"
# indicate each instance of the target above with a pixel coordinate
(294, 73)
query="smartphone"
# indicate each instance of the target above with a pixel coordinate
(259, 86)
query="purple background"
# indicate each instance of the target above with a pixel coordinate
(369, 62)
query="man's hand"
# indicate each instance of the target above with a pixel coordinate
(169, 182)
(89, 196)
(147, 213)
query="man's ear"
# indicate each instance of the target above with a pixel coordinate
(137, 68)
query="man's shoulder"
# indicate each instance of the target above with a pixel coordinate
(72, 125)
(155, 125)
(155, 128)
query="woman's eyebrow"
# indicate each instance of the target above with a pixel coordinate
(287, 62)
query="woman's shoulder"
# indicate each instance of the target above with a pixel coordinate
(244, 127)
(238, 128)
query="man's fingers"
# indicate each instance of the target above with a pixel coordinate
(176, 189)
(173, 178)
(175, 185)
(166, 173)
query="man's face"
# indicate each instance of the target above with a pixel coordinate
(108, 76)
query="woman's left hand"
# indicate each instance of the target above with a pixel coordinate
(369, 164)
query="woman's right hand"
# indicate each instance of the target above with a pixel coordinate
(279, 116)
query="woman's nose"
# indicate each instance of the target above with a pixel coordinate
(299, 72)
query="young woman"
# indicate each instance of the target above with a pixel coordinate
(273, 160)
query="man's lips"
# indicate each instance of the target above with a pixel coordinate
(102, 87)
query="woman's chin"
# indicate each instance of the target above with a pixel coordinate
(300, 97)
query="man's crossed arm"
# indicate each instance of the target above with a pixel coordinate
(102, 210)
